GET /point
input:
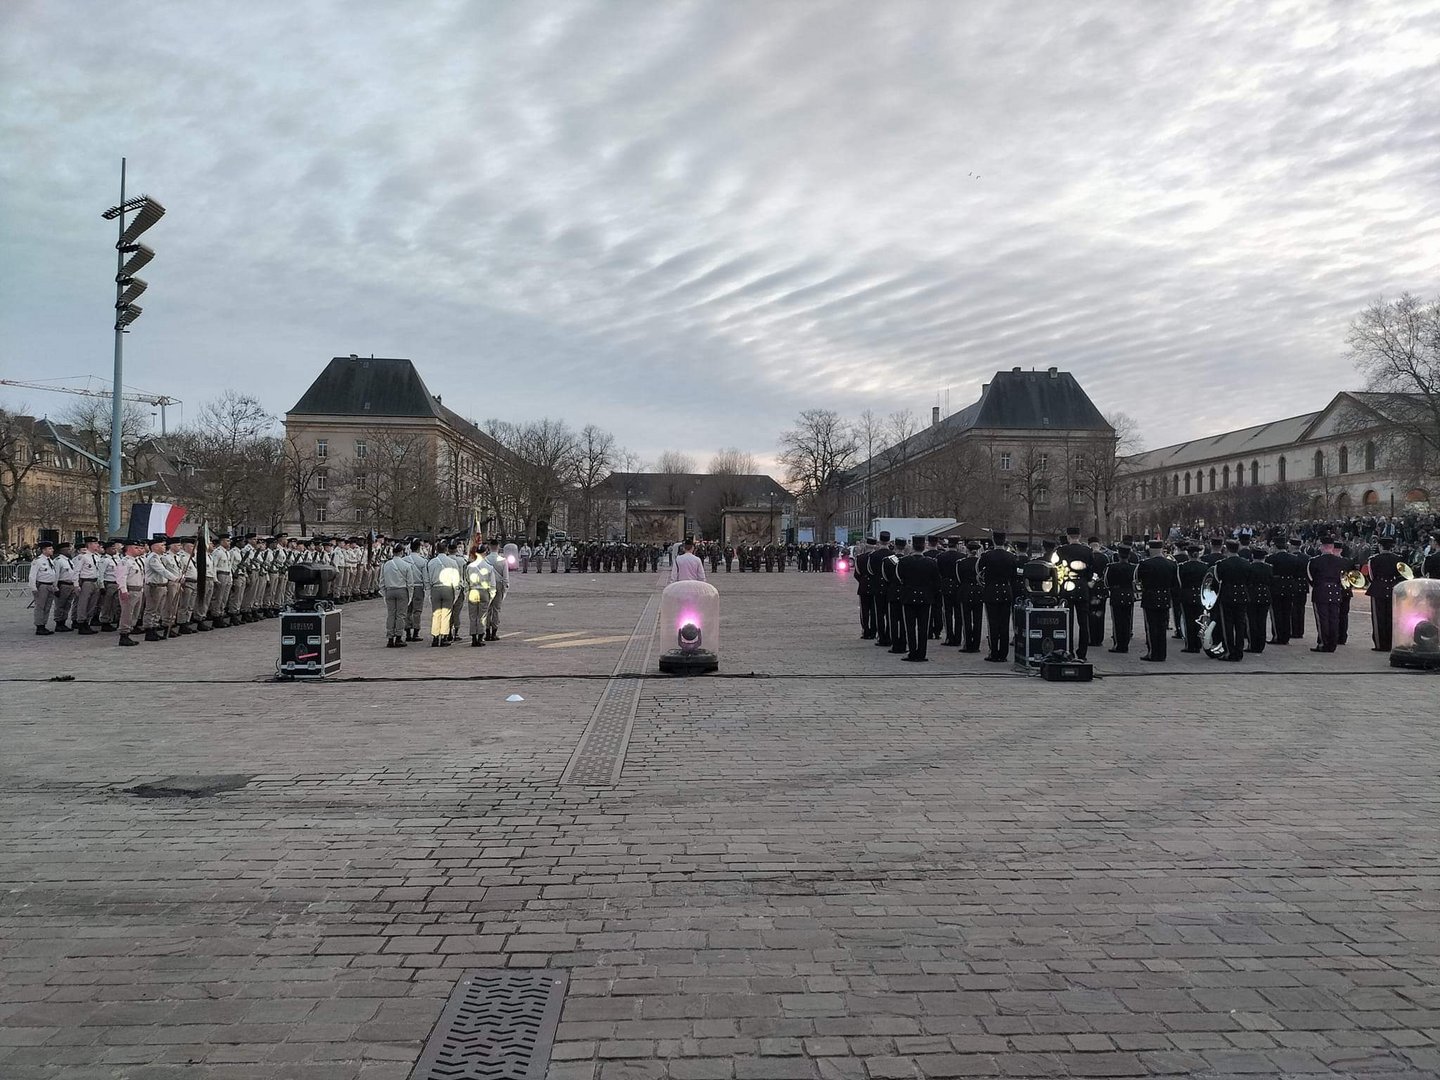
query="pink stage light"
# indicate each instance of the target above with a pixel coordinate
(839, 566)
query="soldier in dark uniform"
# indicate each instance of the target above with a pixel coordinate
(1282, 594)
(947, 561)
(1382, 569)
(1155, 583)
(920, 587)
(1324, 573)
(1190, 574)
(1262, 577)
(769, 558)
(1299, 589)
(995, 570)
(729, 556)
(714, 557)
(1099, 590)
(894, 598)
(879, 603)
(1347, 594)
(971, 599)
(931, 550)
(782, 554)
(1080, 559)
(861, 569)
(1232, 575)
(1120, 585)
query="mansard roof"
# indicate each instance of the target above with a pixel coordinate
(368, 386)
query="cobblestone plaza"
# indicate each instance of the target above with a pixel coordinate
(820, 863)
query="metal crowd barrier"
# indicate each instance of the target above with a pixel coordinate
(14, 572)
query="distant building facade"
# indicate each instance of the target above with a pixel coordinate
(374, 448)
(1338, 462)
(1033, 453)
(732, 508)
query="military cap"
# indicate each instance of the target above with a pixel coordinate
(953, 541)
(1154, 544)
(998, 536)
(1232, 545)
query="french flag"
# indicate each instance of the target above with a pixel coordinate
(154, 519)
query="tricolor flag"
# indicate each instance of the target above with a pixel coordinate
(154, 519)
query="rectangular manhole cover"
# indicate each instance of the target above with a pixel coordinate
(498, 1025)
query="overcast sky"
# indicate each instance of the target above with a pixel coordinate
(688, 221)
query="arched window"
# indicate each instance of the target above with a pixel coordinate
(1225, 477)
(1370, 457)
(1254, 472)
(1319, 462)
(1239, 475)
(1281, 472)
(1175, 484)
(1187, 483)
(1344, 464)
(1212, 477)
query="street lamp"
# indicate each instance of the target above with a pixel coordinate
(128, 288)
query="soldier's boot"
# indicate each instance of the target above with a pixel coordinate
(476, 641)
(202, 626)
(152, 635)
(187, 629)
(86, 628)
(434, 642)
(61, 628)
(126, 639)
(399, 644)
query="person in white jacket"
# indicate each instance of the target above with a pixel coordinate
(687, 565)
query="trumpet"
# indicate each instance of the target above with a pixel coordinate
(1353, 579)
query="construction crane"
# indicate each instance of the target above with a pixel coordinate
(147, 399)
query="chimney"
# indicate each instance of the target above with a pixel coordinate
(934, 415)
(1054, 372)
(1015, 369)
(354, 357)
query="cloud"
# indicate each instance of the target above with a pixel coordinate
(689, 221)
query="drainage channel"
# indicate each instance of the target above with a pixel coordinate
(600, 755)
(498, 1024)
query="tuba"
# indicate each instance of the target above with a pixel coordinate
(1353, 579)
(1212, 641)
(1405, 571)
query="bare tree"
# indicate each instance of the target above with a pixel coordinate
(870, 436)
(394, 486)
(595, 457)
(233, 461)
(89, 422)
(1395, 345)
(301, 467)
(532, 474)
(1094, 469)
(674, 463)
(17, 459)
(732, 461)
(815, 453)
(899, 453)
(1033, 475)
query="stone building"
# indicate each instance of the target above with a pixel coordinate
(1032, 454)
(373, 447)
(1340, 461)
(666, 507)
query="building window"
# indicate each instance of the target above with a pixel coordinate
(1042, 495)
(1044, 462)
(1254, 472)
(1175, 483)
(360, 448)
(1212, 478)
(322, 479)
(1005, 492)
(1187, 483)
(1369, 457)
(1239, 475)
(1281, 469)
(361, 479)
(1005, 462)
(359, 514)
(1225, 477)
(319, 513)
(1344, 463)
(1319, 462)
(322, 448)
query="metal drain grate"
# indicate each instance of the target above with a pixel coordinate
(600, 755)
(497, 1025)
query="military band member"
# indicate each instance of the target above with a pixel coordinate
(1325, 574)
(1191, 573)
(1099, 591)
(995, 570)
(879, 599)
(1259, 599)
(1383, 574)
(1081, 560)
(1282, 594)
(894, 598)
(1430, 565)
(1120, 585)
(1232, 575)
(918, 577)
(861, 570)
(1155, 583)
(971, 599)
(948, 562)
(1300, 597)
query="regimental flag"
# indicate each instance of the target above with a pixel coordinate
(154, 519)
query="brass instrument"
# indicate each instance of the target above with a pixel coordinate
(1353, 579)
(1405, 571)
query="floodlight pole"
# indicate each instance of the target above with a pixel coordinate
(115, 412)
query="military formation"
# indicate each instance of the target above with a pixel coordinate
(169, 586)
(1223, 597)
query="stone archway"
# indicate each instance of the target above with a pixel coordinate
(1343, 504)
(1371, 500)
(1417, 497)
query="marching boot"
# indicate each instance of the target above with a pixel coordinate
(61, 628)
(126, 639)
(108, 627)
(41, 631)
(475, 642)
(399, 643)
(187, 629)
(86, 628)
(152, 635)
(202, 626)
(434, 642)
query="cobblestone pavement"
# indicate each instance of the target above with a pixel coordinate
(836, 868)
